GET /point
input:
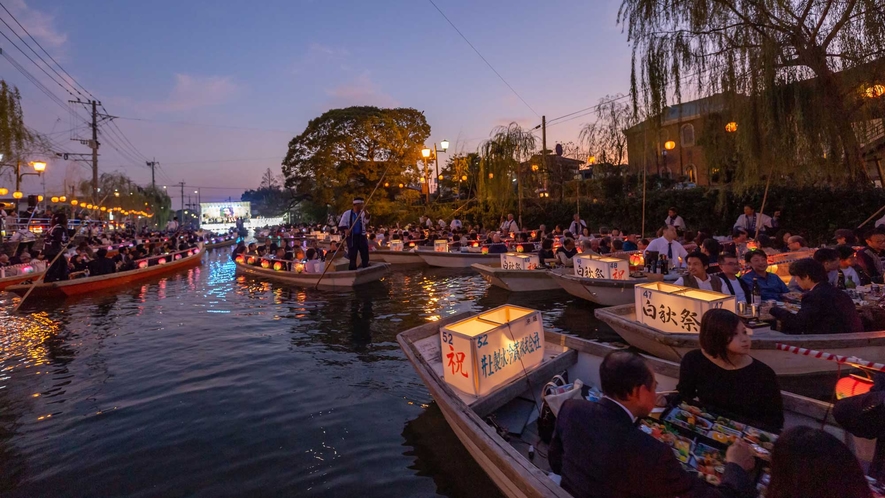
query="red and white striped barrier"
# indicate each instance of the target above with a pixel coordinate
(851, 360)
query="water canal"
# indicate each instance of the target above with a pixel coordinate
(205, 384)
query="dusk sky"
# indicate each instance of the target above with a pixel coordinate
(218, 89)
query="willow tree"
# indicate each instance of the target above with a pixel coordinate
(499, 167)
(15, 139)
(806, 64)
(604, 138)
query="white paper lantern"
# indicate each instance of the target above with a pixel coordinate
(335, 237)
(396, 245)
(485, 351)
(441, 245)
(514, 261)
(676, 309)
(601, 267)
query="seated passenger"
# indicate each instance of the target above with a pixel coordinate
(565, 253)
(102, 265)
(697, 277)
(722, 374)
(771, 286)
(825, 309)
(599, 452)
(497, 246)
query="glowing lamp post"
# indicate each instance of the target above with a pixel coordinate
(486, 351)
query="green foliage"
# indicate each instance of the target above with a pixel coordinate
(132, 196)
(345, 152)
(15, 138)
(804, 64)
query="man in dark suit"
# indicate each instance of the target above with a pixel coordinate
(599, 452)
(825, 309)
(102, 265)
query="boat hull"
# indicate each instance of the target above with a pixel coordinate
(93, 284)
(226, 243)
(17, 279)
(867, 345)
(599, 291)
(398, 257)
(332, 279)
(517, 280)
(459, 259)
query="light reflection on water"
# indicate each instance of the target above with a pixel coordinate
(204, 383)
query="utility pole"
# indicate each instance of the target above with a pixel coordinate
(152, 165)
(436, 158)
(182, 200)
(94, 146)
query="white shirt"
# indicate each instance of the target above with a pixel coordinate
(455, 225)
(428, 223)
(678, 222)
(632, 417)
(736, 285)
(345, 219)
(850, 272)
(702, 284)
(746, 223)
(577, 228)
(661, 245)
(509, 226)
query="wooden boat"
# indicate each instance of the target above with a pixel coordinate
(517, 280)
(867, 345)
(596, 290)
(398, 257)
(222, 243)
(507, 463)
(334, 279)
(459, 259)
(189, 258)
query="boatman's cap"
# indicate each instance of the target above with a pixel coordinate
(358, 200)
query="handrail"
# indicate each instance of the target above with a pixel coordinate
(171, 255)
(15, 270)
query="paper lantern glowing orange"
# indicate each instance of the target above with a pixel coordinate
(177, 256)
(519, 248)
(142, 264)
(28, 269)
(240, 259)
(162, 261)
(278, 266)
(731, 127)
(265, 263)
(852, 386)
(484, 250)
(251, 260)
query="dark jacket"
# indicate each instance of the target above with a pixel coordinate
(729, 286)
(599, 453)
(101, 266)
(864, 416)
(865, 259)
(825, 310)
(690, 281)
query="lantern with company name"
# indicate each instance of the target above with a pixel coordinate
(591, 266)
(396, 245)
(441, 245)
(511, 261)
(676, 309)
(487, 350)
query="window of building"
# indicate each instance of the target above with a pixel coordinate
(691, 174)
(687, 135)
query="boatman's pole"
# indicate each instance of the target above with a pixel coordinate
(40, 278)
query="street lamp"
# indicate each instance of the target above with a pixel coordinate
(425, 152)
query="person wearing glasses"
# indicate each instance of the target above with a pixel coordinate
(728, 269)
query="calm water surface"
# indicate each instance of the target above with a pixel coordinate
(206, 384)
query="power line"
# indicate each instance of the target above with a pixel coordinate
(483, 58)
(208, 125)
(33, 61)
(48, 54)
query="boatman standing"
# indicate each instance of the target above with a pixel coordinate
(354, 220)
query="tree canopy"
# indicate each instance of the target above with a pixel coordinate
(806, 63)
(15, 139)
(345, 152)
(605, 138)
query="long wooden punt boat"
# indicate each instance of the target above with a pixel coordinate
(867, 345)
(334, 279)
(459, 259)
(12, 275)
(156, 265)
(399, 257)
(225, 241)
(507, 463)
(517, 280)
(601, 291)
